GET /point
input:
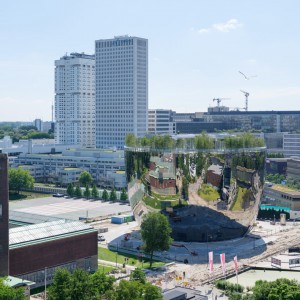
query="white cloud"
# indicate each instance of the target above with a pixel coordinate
(231, 24)
(227, 26)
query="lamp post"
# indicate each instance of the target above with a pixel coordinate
(45, 283)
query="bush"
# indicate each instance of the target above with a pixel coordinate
(229, 287)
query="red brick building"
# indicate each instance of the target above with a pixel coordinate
(38, 250)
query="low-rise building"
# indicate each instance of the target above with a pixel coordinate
(36, 251)
(280, 195)
(276, 166)
(107, 167)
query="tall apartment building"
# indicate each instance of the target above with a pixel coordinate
(4, 241)
(160, 121)
(75, 100)
(121, 89)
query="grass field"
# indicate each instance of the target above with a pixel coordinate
(237, 206)
(108, 255)
(26, 196)
(162, 204)
(208, 193)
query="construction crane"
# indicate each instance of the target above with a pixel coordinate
(247, 77)
(246, 98)
(219, 100)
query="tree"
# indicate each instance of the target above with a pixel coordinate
(19, 179)
(113, 195)
(132, 290)
(101, 283)
(95, 192)
(78, 192)
(123, 196)
(105, 195)
(7, 292)
(85, 178)
(138, 275)
(80, 285)
(87, 192)
(60, 288)
(155, 231)
(130, 140)
(152, 292)
(70, 190)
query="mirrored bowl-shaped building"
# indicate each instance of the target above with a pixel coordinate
(207, 195)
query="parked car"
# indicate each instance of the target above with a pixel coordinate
(101, 238)
(58, 195)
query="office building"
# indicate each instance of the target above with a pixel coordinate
(121, 89)
(75, 99)
(160, 121)
(38, 123)
(107, 167)
(291, 144)
(4, 242)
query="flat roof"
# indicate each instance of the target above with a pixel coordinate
(285, 189)
(42, 232)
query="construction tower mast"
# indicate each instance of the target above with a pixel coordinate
(219, 100)
(246, 98)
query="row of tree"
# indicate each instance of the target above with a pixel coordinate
(75, 191)
(80, 285)
(201, 141)
(280, 289)
(23, 132)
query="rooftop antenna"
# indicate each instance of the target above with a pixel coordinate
(246, 98)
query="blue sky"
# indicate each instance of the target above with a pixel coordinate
(196, 49)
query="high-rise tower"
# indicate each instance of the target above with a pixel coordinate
(4, 240)
(75, 100)
(121, 89)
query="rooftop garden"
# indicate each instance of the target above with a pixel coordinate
(201, 141)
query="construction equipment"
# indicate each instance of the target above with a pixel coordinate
(247, 77)
(246, 97)
(219, 100)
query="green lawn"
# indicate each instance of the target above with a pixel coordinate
(108, 255)
(26, 195)
(237, 206)
(105, 269)
(162, 204)
(208, 193)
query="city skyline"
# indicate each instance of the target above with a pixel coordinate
(197, 51)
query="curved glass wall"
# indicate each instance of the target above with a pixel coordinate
(207, 195)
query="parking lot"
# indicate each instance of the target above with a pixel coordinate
(69, 208)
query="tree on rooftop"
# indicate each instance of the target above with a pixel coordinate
(130, 140)
(155, 231)
(19, 179)
(85, 178)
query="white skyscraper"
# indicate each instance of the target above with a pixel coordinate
(75, 100)
(121, 89)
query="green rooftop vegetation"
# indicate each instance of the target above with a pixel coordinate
(208, 193)
(201, 141)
